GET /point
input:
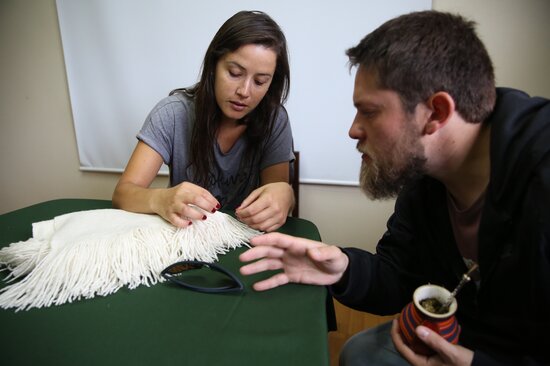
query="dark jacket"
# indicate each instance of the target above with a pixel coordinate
(508, 318)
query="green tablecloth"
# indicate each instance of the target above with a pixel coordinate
(165, 324)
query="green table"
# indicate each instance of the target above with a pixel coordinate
(165, 324)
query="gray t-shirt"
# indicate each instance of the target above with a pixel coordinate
(167, 130)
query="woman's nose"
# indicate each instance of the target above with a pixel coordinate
(243, 89)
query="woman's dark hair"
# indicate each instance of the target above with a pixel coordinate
(421, 53)
(243, 28)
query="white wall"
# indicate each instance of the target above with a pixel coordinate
(125, 62)
(38, 154)
(517, 36)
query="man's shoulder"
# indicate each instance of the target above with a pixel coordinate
(520, 131)
(516, 104)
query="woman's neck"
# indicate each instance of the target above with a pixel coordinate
(228, 133)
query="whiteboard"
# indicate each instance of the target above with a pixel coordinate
(123, 56)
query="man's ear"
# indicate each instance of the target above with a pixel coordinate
(442, 107)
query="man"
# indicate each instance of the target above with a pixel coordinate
(470, 166)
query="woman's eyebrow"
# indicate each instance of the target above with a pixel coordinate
(235, 63)
(241, 67)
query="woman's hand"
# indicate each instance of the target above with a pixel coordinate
(301, 260)
(132, 192)
(174, 204)
(267, 207)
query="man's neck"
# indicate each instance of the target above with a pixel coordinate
(467, 173)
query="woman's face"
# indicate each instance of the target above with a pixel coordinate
(242, 80)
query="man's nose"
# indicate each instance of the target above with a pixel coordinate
(356, 132)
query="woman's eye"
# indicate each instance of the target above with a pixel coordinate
(262, 81)
(234, 74)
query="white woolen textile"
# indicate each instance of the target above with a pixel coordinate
(96, 252)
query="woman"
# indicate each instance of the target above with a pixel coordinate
(227, 140)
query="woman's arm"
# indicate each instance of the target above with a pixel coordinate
(132, 192)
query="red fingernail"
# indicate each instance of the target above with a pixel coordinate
(218, 206)
(204, 217)
(213, 210)
(190, 222)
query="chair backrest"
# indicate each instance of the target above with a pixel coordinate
(295, 182)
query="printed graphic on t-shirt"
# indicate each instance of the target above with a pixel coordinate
(231, 190)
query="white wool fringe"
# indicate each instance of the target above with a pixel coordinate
(88, 253)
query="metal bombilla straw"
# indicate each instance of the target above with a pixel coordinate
(466, 277)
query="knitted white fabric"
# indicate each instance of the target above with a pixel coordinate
(96, 252)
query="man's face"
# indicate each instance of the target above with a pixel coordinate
(388, 137)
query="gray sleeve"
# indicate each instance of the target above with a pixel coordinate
(279, 147)
(159, 129)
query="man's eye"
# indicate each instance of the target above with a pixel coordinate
(367, 114)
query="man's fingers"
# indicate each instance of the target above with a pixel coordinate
(435, 342)
(272, 282)
(324, 253)
(401, 347)
(266, 264)
(280, 240)
(261, 252)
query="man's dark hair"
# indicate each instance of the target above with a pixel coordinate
(421, 53)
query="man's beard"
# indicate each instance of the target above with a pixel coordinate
(384, 176)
